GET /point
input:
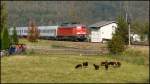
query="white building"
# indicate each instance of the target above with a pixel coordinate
(135, 38)
(102, 31)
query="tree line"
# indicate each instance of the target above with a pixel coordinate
(87, 12)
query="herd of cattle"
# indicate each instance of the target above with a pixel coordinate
(106, 64)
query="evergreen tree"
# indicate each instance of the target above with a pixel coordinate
(15, 37)
(5, 39)
(122, 29)
(116, 45)
(4, 35)
(120, 38)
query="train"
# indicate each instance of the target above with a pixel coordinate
(65, 31)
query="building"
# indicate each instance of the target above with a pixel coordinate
(135, 38)
(102, 31)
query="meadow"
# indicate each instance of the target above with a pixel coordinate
(45, 68)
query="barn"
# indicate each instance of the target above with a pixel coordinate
(102, 31)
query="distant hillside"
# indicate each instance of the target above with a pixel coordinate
(87, 12)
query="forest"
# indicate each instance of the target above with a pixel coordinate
(86, 12)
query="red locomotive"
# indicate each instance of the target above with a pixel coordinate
(72, 31)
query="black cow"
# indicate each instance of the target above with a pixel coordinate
(85, 64)
(96, 66)
(78, 66)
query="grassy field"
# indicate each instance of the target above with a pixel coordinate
(64, 44)
(35, 68)
(60, 69)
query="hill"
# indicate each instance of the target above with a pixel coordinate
(87, 12)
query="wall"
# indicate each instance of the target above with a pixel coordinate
(105, 32)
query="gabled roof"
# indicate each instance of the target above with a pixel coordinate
(100, 24)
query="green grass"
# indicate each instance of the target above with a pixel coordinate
(40, 42)
(62, 44)
(133, 56)
(32, 67)
(60, 69)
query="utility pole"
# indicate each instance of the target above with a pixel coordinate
(128, 19)
(129, 34)
(126, 14)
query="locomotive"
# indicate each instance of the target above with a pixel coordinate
(65, 31)
(72, 31)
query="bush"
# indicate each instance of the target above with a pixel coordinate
(116, 45)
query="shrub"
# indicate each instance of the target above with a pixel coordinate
(116, 45)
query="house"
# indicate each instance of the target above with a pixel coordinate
(102, 31)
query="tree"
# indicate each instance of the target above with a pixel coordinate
(122, 29)
(120, 38)
(5, 39)
(4, 35)
(116, 45)
(32, 32)
(14, 36)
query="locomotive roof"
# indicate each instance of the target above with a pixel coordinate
(69, 25)
(39, 27)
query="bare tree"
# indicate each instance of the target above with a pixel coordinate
(33, 32)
